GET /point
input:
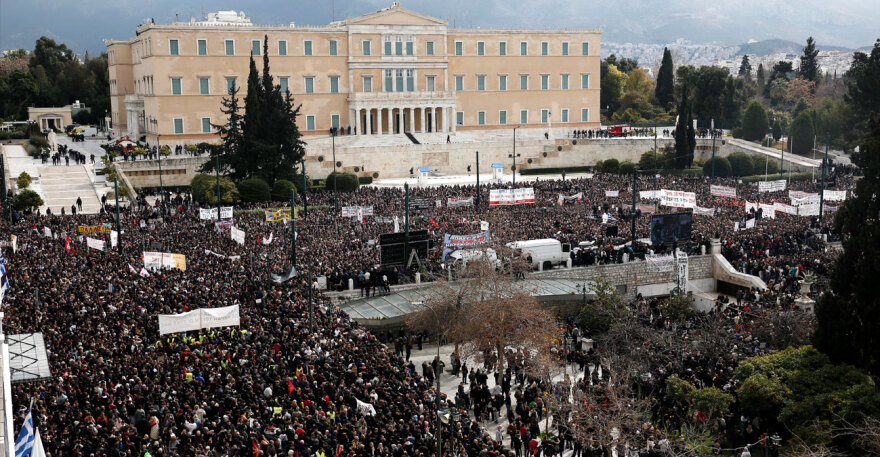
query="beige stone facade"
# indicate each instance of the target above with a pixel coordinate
(389, 72)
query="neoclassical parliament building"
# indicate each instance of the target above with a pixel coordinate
(384, 73)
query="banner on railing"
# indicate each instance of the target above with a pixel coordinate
(94, 243)
(95, 228)
(649, 194)
(459, 202)
(678, 199)
(800, 194)
(157, 260)
(810, 209)
(198, 319)
(647, 208)
(751, 206)
(578, 197)
(722, 191)
(237, 235)
(659, 263)
(768, 211)
(501, 197)
(352, 211)
(704, 211)
(211, 213)
(460, 241)
(682, 271)
(787, 209)
(834, 195)
(612, 193)
(771, 186)
(279, 215)
(812, 199)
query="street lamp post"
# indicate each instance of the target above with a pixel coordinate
(333, 131)
(159, 153)
(513, 156)
(118, 225)
(305, 185)
(478, 181)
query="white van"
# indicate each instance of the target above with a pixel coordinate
(545, 253)
(461, 257)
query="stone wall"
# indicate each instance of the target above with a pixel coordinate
(176, 172)
(396, 161)
(634, 276)
(454, 158)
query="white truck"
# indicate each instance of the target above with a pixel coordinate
(545, 253)
(460, 258)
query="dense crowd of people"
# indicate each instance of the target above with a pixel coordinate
(286, 382)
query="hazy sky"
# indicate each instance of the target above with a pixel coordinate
(83, 24)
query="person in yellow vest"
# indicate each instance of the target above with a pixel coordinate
(276, 411)
(189, 376)
(320, 453)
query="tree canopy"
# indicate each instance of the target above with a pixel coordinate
(265, 141)
(665, 90)
(810, 61)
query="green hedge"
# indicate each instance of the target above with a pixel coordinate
(254, 190)
(281, 190)
(686, 172)
(553, 170)
(345, 182)
(722, 167)
(364, 180)
(795, 177)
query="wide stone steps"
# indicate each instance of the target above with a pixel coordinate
(62, 185)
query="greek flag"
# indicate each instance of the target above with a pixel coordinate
(4, 281)
(24, 444)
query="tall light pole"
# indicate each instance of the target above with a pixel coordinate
(713, 157)
(292, 227)
(824, 166)
(161, 187)
(513, 156)
(478, 180)
(305, 185)
(333, 131)
(217, 165)
(118, 225)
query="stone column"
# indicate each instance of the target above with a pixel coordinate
(445, 120)
(400, 121)
(412, 120)
(357, 122)
(369, 129)
(453, 120)
(423, 111)
(352, 117)
(435, 123)
(379, 120)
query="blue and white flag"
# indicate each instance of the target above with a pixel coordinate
(24, 444)
(4, 281)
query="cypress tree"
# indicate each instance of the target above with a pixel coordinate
(230, 135)
(760, 78)
(665, 89)
(685, 136)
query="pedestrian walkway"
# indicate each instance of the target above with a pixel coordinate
(62, 185)
(449, 386)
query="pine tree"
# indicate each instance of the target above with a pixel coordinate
(665, 89)
(760, 78)
(847, 316)
(251, 127)
(745, 68)
(810, 61)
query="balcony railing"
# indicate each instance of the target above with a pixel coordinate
(440, 95)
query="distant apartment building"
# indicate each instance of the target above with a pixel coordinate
(388, 72)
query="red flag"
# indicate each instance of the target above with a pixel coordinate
(433, 223)
(255, 448)
(290, 387)
(68, 246)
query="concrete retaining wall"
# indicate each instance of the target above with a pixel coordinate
(633, 277)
